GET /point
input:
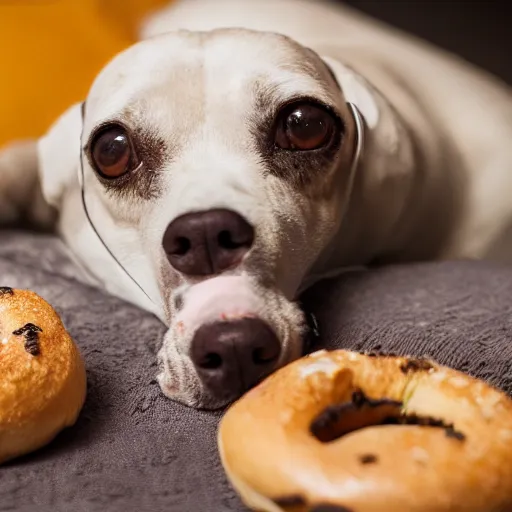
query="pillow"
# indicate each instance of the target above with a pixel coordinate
(133, 449)
(51, 52)
(459, 313)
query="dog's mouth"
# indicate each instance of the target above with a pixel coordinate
(232, 335)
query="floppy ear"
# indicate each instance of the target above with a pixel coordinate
(356, 90)
(59, 155)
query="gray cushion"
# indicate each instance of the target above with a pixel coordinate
(134, 450)
(459, 313)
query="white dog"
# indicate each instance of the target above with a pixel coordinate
(214, 173)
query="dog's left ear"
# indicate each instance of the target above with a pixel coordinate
(59, 155)
(356, 90)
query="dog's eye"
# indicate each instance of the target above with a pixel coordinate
(304, 127)
(112, 152)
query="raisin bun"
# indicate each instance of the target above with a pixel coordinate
(42, 375)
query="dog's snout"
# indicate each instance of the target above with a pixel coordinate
(206, 243)
(231, 357)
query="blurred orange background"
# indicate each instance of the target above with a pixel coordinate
(50, 52)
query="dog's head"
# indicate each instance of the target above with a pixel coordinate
(220, 163)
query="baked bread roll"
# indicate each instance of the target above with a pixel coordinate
(342, 431)
(42, 375)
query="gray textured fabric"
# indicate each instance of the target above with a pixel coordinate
(459, 313)
(134, 450)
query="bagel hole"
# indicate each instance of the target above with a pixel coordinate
(361, 412)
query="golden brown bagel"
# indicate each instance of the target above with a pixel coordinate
(42, 376)
(319, 435)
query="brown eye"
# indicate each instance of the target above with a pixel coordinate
(304, 127)
(112, 152)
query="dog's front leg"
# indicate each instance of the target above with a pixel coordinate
(21, 198)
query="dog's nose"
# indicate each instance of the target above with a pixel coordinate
(205, 243)
(232, 356)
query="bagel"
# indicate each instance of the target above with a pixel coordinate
(42, 375)
(349, 432)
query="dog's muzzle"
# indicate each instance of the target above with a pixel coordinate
(234, 355)
(232, 346)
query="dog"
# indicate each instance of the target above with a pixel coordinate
(244, 150)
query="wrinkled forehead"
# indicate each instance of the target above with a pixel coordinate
(192, 69)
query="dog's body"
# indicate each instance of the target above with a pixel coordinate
(433, 180)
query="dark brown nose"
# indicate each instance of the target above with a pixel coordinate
(231, 357)
(206, 243)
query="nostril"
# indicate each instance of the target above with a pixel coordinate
(180, 247)
(210, 361)
(226, 240)
(265, 355)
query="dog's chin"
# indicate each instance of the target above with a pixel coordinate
(192, 393)
(223, 299)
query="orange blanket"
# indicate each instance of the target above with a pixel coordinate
(51, 50)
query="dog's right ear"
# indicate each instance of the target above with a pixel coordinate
(356, 90)
(59, 155)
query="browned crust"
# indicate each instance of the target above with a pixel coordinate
(43, 384)
(450, 453)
